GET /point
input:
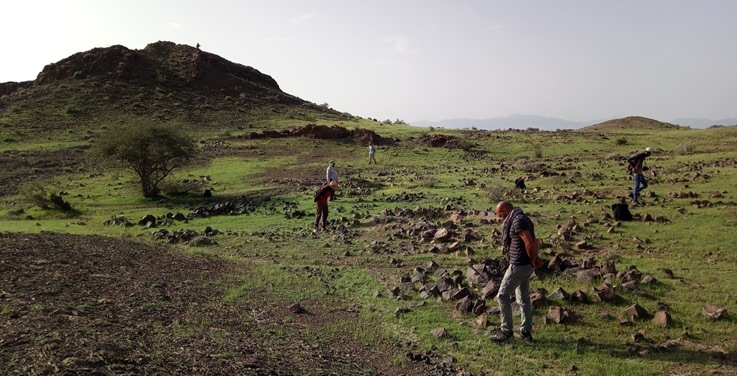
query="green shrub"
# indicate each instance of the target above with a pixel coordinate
(151, 151)
(38, 195)
(686, 149)
(621, 141)
(537, 150)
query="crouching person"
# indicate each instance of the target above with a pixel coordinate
(322, 196)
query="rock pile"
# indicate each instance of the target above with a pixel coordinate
(473, 289)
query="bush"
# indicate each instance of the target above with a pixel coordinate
(687, 149)
(537, 150)
(151, 151)
(38, 195)
(621, 141)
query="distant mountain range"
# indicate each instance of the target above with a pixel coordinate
(549, 124)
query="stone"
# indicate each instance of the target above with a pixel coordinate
(630, 285)
(148, 221)
(464, 305)
(431, 266)
(559, 294)
(444, 283)
(557, 314)
(636, 311)
(297, 308)
(462, 293)
(440, 272)
(579, 296)
(587, 275)
(442, 235)
(440, 333)
(479, 307)
(482, 320)
(537, 300)
(714, 313)
(604, 294)
(648, 280)
(490, 290)
(662, 318)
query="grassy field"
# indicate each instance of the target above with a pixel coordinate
(570, 175)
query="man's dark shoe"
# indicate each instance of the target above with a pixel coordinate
(526, 336)
(502, 337)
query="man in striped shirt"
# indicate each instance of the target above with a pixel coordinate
(521, 248)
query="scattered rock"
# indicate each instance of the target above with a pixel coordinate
(296, 308)
(714, 313)
(559, 294)
(439, 333)
(636, 312)
(557, 314)
(662, 318)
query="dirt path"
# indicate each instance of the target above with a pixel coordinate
(96, 305)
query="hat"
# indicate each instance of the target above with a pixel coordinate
(333, 184)
(649, 149)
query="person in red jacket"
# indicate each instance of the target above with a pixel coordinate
(322, 196)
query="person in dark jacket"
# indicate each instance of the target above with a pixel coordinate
(636, 166)
(322, 196)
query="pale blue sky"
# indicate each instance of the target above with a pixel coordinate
(415, 60)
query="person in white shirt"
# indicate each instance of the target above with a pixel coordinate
(331, 174)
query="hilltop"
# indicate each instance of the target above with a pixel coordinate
(630, 123)
(163, 81)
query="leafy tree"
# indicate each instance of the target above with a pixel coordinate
(151, 151)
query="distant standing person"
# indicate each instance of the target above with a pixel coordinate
(331, 174)
(635, 165)
(520, 246)
(322, 195)
(372, 152)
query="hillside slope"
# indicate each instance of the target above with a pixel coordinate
(163, 81)
(630, 123)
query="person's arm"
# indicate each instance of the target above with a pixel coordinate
(531, 247)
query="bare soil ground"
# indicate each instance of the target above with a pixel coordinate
(82, 305)
(20, 167)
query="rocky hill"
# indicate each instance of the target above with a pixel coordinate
(164, 81)
(630, 122)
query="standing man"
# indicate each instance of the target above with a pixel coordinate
(331, 174)
(372, 152)
(323, 194)
(521, 248)
(635, 166)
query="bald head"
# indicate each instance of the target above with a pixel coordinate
(503, 208)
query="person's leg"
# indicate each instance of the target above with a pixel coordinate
(523, 298)
(318, 214)
(636, 188)
(510, 282)
(325, 217)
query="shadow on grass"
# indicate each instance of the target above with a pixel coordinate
(644, 350)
